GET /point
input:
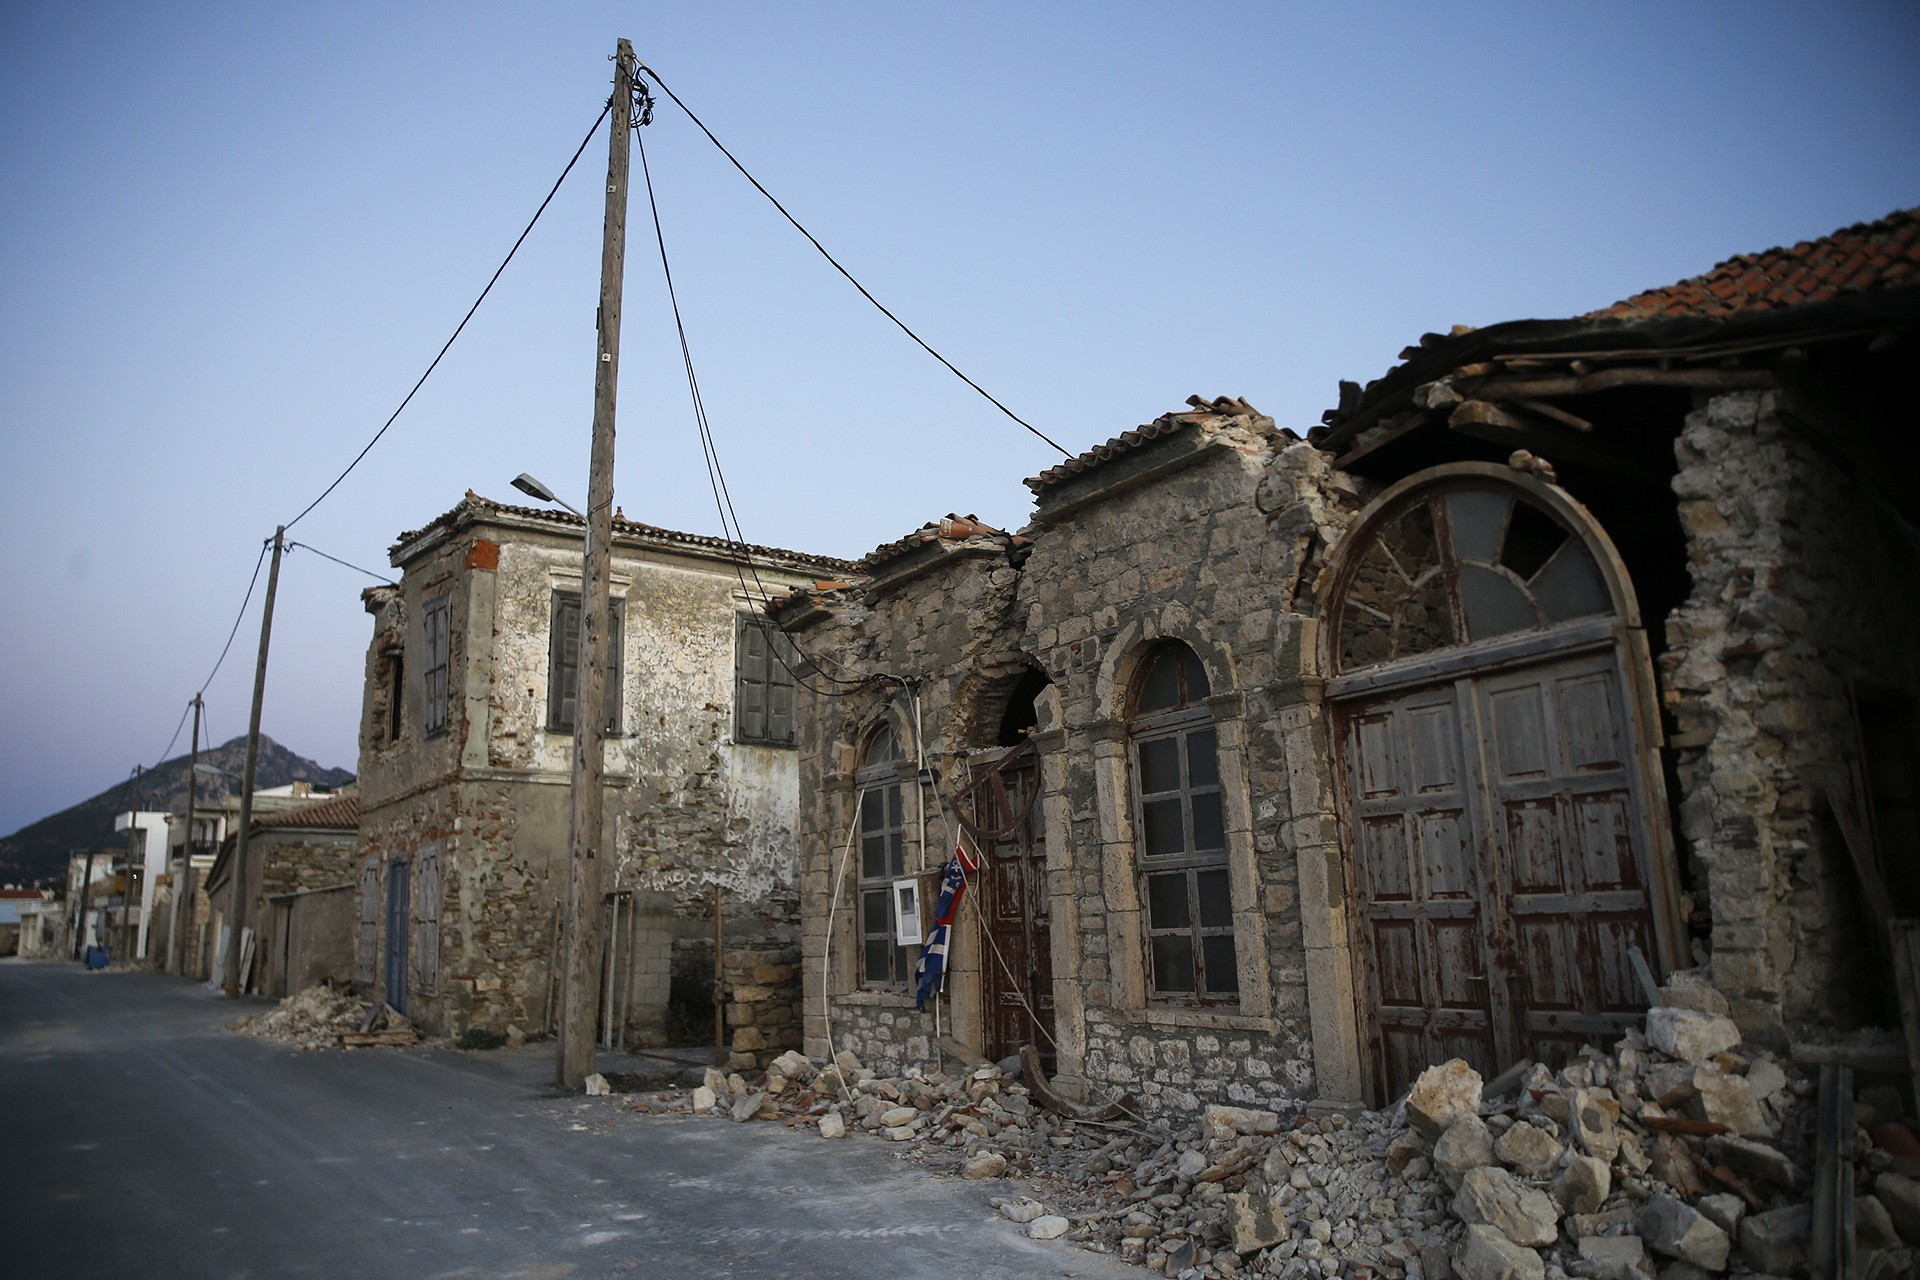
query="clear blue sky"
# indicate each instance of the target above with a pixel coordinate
(232, 235)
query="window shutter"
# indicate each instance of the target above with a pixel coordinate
(750, 684)
(563, 662)
(616, 649)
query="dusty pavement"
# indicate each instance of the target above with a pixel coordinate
(143, 1139)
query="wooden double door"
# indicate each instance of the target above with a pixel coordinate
(1502, 865)
(1017, 979)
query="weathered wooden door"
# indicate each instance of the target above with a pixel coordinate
(395, 970)
(1501, 876)
(1018, 964)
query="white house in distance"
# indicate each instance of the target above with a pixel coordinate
(150, 856)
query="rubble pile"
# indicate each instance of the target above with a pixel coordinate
(1677, 1156)
(323, 1018)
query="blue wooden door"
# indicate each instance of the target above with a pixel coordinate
(396, 966)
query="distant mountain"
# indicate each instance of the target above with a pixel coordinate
(35, 852)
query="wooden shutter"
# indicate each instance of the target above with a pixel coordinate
(563, 661)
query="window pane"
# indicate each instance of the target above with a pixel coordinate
(1167, 901)
(1209, 832)
(1495, 607)
(1197, 686)
(1571, 586)
(1216, 899)
(1223, 969)
(873, 857)
(1161, 818)
(896, 806)
(1173, 963)
(873, 810)
(1479, 518)
(1423, 621)
(881, 747)
(1532, 538)
(896, 854)
(1203, 765)
(878, 951)
(1159, 766)
(1160, 689)
(876, 914)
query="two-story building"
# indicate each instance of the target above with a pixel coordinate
(466, 757)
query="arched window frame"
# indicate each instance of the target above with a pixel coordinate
(1184, 876)
(879, 786)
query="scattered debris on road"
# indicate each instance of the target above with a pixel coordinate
(323, 1018)
(1677, 1155)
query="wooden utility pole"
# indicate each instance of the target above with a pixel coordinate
(580, 932)
(176, 945)
(80, 921)
(237, 906)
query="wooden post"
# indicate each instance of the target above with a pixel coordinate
(719, 987)
(80, 921)
(237, 904)
(176, 945)
(580, 936)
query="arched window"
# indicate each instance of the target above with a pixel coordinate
(883, 859)
(1461, 564)
(1180, 832)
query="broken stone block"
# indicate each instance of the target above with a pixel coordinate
(1613, 1258)
(1873, 1225)
(894, 1117)
(832, 1125)
(1690, 1036)
(848, 1062)
(1022, 1210)
(1766, 1079)
(703, 1100)
(983, 1165)
(1727, 1099)
(1776, 1242)
(1583, 1186)
(1404, 1148)
(1465, 1145)
(1492, 1196)
(749, 1106)
(1485, 1254)
(1592, 1125)
(1192, 1163)
(1255, 1221)
(597, 1086)
(1048, 1227)
(715, 1081)
(1700, 999)
(1753, 1160)
(1441, 1095)
(792, 1063)
(515, 1036)
(1676, 1230)
(1242, 1119)
(1900, 1197)
(1723, 1210)
(1529, 1149)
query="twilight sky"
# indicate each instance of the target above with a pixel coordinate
(232, 235)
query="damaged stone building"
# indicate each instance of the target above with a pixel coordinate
(466, 755)
(1563, 649)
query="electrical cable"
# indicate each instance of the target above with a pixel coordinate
(458, 329)
(307, 546)
(168, 750)
(251, 583)
(835, 263)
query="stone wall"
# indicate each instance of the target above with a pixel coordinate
(761, 995)
(1799, 587)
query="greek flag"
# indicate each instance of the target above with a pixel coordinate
(932, 967)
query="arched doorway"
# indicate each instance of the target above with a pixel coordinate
(1004, 813)
(1495, 744)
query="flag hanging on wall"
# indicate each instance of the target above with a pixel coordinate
(931, 970)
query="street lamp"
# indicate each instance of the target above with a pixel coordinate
(534, 489)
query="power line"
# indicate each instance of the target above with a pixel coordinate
(251, 583)
(307, 546)
(716, 478)
(463, 321)
(901, 325)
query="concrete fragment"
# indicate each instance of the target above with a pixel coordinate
(1492, 1196)
(1776, 1241)
(1529, 1149)
(1441, 1095)
(1674, 1229)
(1465, 1145)
(1583, 1186)
(597, 1086)
(1485, 1254)
(1255, 1221)
(1690, 1036)
(832, 1125)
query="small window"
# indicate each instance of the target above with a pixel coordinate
(883, 859)
(427, 943)
(563, 663)
(387, 697)
(434, 626)
(763, 663)
(1180, 831)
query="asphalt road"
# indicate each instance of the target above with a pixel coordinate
(140, 1138)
